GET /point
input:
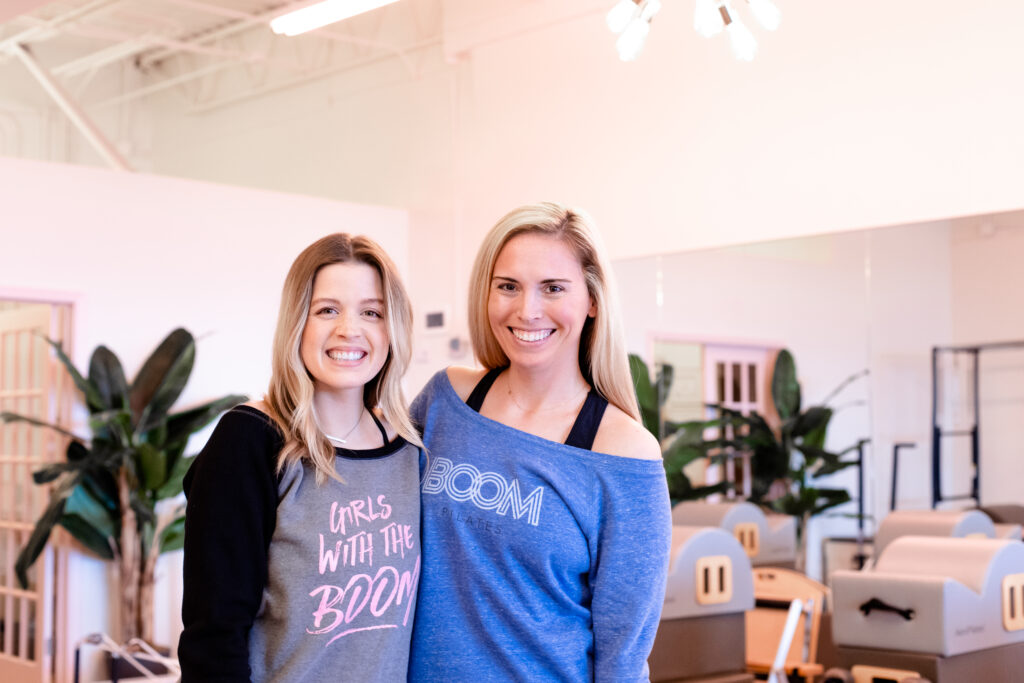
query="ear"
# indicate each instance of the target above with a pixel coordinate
(592, 313)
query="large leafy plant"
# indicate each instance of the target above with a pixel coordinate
(106, 491)
(787, 458)
(680, 446)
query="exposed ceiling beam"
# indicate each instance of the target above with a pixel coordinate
(47, 29)
(313, 75)
(241, 24)
(82, 122)
(15, 8)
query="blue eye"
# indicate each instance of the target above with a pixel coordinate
(555, 289)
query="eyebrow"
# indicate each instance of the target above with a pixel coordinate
(543, 282)
(328, 300)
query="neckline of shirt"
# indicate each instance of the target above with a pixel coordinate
(636, 465)
(387, 449)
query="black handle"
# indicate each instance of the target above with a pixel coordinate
(876, 604)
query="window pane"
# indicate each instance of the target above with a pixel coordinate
(737, 377)
(720, 371)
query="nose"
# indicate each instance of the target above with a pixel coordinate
(529, 306)
(346, 325)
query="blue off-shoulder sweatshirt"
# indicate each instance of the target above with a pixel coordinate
(542, 562)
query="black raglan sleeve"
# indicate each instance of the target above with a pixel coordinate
(229, 519)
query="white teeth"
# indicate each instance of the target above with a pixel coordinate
(346, 355)
(537, 335)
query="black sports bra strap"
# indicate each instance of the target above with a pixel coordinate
(383, 432)
(476, 399)
(584, 429)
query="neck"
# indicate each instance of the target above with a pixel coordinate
(533, 390)
(337, 412)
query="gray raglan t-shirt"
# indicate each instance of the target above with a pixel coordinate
(343, 569)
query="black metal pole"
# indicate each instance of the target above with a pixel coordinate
(975, 459)
(936, 432)
(896, 448)
(860, 490)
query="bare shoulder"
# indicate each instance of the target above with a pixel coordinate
(259, 405)
(619, 434)
(463, 379)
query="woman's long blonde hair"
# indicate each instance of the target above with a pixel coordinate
(290, 396)
(603, 358)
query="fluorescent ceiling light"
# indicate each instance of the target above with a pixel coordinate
(321, 14)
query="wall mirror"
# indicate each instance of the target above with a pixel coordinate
(878, 299)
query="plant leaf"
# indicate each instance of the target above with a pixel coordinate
(829, 498)
(182, 425)
(14, 417)
(679, 454)
(107, 375)
(663, 382)
(173, 535)
(785, 388)
(812, 425)
(88, 536)
(82, 504)
(101, 485)
(646, 395)
(45, 475)
(173, 486)
(93, 398)
(152, 466)
(41, 533)
(161, 379)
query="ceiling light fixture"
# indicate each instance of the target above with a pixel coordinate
(707, 20)
(744, 45)
(711, 16)
(618, 17)
(766, 13)
(631, 19)
(321, 14)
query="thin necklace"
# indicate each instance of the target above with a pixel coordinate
(349, 432)
(575, 397)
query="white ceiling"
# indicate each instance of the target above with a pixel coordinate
(224, 48)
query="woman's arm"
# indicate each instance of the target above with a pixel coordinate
(230, 517)
(629, 573)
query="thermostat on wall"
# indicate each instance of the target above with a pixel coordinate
(436, 321)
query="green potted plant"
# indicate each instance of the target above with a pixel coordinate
(106, 491)
(787, 458)
(680, 446)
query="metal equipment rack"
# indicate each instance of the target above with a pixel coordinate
(973, 432)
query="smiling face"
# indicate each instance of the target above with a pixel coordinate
(538, 302)
(345, 339)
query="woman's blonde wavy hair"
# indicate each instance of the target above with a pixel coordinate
(290, 396)
(603, 358)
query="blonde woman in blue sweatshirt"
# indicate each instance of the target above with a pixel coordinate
(546, 521)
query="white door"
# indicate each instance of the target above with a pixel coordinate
(736, 378)
(31, 383)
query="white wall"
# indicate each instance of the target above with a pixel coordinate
(911, 310)
(988, 297)
(140, 255)
(852, 115)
